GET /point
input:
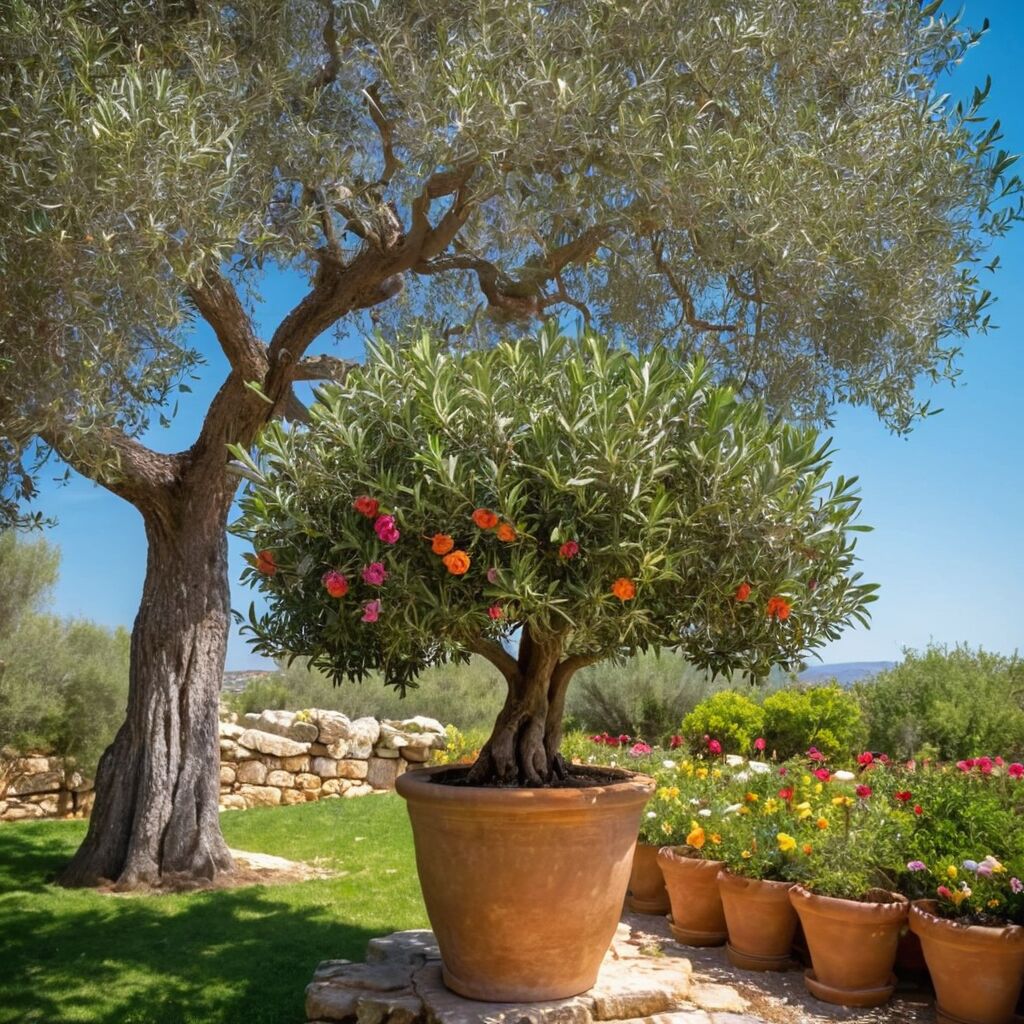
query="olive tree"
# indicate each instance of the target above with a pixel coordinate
(593, 501)
(775, 185)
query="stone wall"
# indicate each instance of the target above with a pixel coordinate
(275, 757)
(42, 786)
(288, 757)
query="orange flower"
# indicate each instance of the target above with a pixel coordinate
(743, 592)
(778, 608)
(807, 848)
(506, 532)
(485, 519)
(623, 589)
(441, 544)
(456, 563)
(265, 562)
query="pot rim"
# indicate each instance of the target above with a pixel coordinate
(923, 921)
(672, 856)
(832, 906)
(743, 881)
(419, 785)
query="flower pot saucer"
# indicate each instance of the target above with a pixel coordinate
(692, 938)
(753, 962)
(642, 906)
(849, 996)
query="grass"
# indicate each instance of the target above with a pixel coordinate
(241, 956)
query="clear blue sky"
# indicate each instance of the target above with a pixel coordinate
(946, 503)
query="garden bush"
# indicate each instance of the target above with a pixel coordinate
(825, 717)
(946, 703)
(731, 718)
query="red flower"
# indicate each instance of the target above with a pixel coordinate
(918, 810)
(866, 758)
(904, 796)
(623, 740)
(570, 549)
(366, 506)
(1016, 770)
(334, 583)
(823, 774)
(265, 562)
(778, 608)
(743, 591)
(863, 791)
(714, 746)
(759, 743)
(786, 793)
(495, 611)
(677, 741)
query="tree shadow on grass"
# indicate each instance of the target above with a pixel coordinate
(238, 956)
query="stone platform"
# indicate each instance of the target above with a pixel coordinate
(400, 983)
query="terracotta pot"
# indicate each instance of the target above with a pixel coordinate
(976, 971)
(697, 917)
(523, 887)
(910, 965)
(647, 893)
(852, 944)
(760, 920)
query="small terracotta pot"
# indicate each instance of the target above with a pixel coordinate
(647, 893)
(523, 887)
(977, 971)
(852, 944)
(760, 920)
(697, 917)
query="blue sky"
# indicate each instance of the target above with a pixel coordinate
(945, 502)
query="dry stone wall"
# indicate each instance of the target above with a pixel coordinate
(275, 757)
(288, 757)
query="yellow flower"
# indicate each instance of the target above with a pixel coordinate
(818, 788)
(806, 780)
(804, 810)
(666, 828)
(702, 773)
(843, 801)
(746, 855)
(716, 773)
(959, 895)
(696, 836)
(822, 823)
(786, 842)
(993, 903)
(771, 805)
(716, 839)
(951, 871)
(751, 798)
(744, 810)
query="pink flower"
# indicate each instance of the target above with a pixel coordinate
(371, 611)
(639, 749)
(783, 770)
(714, 746)
(965, 766)
(1016, 885)
(999, 761)
(334, 583)
(495, 611)
(984, 765)
(863, 791)
(917, 865)
(677, 741)
(944, 892)
(866, 758)
(385, 528)
(492, 575)
(823, 774)
(759, 743)
(375, 574)
(815, 754)
(1016, 770)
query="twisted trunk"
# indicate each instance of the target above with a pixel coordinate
(156, 820)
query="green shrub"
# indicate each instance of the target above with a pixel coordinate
(947, 704)
(826, 717)
(732, 718)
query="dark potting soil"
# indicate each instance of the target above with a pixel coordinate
(578, 776)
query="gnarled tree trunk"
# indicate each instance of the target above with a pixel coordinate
(523, 748)
(156, 817)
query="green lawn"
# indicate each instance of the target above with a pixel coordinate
(238, 956)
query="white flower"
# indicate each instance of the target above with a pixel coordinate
(759, 767)
(694, 801)
(741, 776)
(732, 808)
(704, 813)
(733, 760)
(843, 776)
(651, 814)
(668, 764)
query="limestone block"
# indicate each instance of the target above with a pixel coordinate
(253, 772)
(307, 780)
(283, 723)
(228, 730)
(382, 772)
(349, 769)
(296, 764)
(418, 755)
(325, 767)
(283, 779)
(311, 795)
(46, 802)
(227, 774)
(260, 796)
(269, 743)
(721, 998)
(319, 750)
(40, 782)
(33, 765)
(331, 725)
(363, 734)
(338, 749)
(334, 787)
(84, 802)
(19, 812)
(77, 782)
(293, 796)
(359, 789)
(380, 751)
(233, 802)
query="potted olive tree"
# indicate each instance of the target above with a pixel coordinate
(544, 505)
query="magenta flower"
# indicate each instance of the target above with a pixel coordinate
(759, 743)
(623, 740)
(815, 754)
(965, 766)
(639, 749)
(984, 765)
(385, 528)
(371, 611)
(822, 774)
(1016, 770)
(1016, 885)
(916, 865)
(714, 746)
(375, 574)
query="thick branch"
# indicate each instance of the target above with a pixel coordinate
(219, 305)
(498, 657)
(322, 368)
(328, 71)
(386, 131)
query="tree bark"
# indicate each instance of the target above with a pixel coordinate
(156, 818)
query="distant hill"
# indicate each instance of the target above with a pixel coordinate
(846, 673)
(234, 682)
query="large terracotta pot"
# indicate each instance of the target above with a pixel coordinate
(647, 893)
(523, 887)
(760, 920)
(853, 946)
(697, 917)
(977, 971)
